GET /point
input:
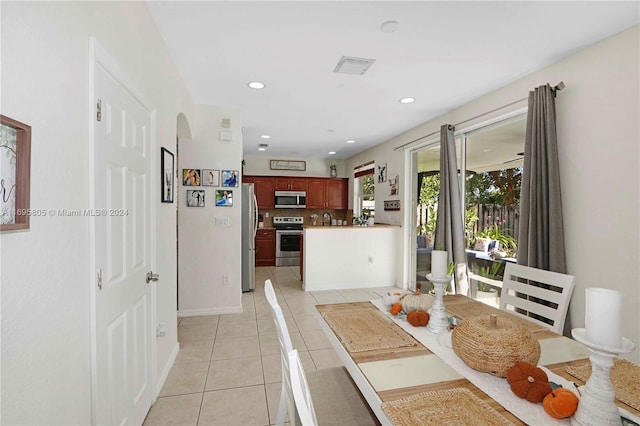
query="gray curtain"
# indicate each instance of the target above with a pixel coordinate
(449, 224)
(541, 232)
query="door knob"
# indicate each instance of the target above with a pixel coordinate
(152, 277)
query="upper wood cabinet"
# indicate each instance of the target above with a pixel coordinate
(323, 193)
(290, 184)
(263, 188)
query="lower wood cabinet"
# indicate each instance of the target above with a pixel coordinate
(266, 247)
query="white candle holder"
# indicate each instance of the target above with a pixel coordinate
(438, 320)
(597, 405)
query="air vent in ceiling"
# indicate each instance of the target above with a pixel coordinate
(351, 65)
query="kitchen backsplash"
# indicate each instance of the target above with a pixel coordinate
(306, 214)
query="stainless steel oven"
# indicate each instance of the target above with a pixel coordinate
(288, 235)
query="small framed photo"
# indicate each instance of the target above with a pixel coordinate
(191, 177)
(166, 183)
(224, 198)
(230, 178)
(210, 177)
(195, 198)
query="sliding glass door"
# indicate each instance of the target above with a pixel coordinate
(490, 158)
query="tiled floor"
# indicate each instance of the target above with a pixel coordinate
(228, 369)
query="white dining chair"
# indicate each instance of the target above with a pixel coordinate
(537, 295)
(301, 392)
(338, 399)
(286, 397)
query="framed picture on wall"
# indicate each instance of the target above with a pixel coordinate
(230, 178)
(191, 177)
(210, 177)
(224, 198)
(15, 172)
(166, 178)
(382, 172)
(195, 198)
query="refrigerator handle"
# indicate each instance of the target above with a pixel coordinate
(255, 216)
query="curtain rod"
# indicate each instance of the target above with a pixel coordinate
(558, 87)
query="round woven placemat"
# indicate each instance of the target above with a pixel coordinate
(457, 406)
(494, 350)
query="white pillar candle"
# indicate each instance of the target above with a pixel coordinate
(439, 264)
(603, 318)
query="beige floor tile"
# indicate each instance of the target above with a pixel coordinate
(234, 373)
(271, 367)
(198, 351)
(235, 407)
(306, 322)
(186, 378)
(180, 410)
(201, 320)
(325, 358)
(355, 295)
(235, 347)
(191, 333)
(328, 297)
(315, 339)
(237, 329)
(273, 401)
(269, 344)
(247, 315)
(266, 325)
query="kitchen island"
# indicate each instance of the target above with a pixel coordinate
(351, 257)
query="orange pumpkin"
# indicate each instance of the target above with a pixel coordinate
(418, 318)
(528, 381)
(560, 403)
(396, 308)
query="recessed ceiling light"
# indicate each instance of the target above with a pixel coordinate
(389, 27)
(256, 85)
(265, 136)
(351, 141)
(407, 100)
(262, 147)
(332, 153)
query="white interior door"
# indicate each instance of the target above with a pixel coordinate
(121, 230)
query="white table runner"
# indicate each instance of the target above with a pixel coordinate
(498, 388)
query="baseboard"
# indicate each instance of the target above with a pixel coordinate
(167, 368)
(214, 311)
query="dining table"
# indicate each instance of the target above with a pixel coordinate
(397, 367)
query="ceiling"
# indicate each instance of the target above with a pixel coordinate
(443, 54)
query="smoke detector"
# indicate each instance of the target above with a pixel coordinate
(351, 65)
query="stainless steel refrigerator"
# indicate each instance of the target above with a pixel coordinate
(249, 228)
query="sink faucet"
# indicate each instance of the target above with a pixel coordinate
(326, 215)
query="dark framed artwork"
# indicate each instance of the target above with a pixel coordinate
(191, 177)
(224, 198)
(166, 180)
(195, 198)
(15, 174)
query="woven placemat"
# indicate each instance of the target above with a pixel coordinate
(472, 309)
(625, 377)
(457, 406)
(363, 329)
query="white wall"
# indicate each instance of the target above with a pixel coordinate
(207, 251)
(598, 132)
(45, 271)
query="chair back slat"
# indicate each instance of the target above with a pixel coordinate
(540, 296)
(306, 415)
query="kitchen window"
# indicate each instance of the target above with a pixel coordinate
(364, 189)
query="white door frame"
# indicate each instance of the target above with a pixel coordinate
(97, 55)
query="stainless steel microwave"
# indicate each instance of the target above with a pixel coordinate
(290, 199)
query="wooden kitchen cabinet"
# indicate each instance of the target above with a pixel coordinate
(263, 188)
(290, 184)
(266, 247)
(327, 193)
